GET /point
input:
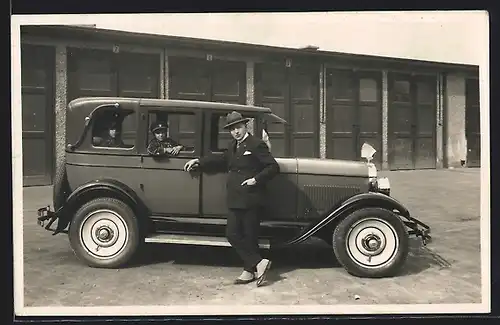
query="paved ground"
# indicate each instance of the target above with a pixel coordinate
(446, 271)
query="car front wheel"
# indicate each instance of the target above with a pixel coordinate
(371, 242)
(104, 233)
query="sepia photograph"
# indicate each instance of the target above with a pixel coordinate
(251, 163)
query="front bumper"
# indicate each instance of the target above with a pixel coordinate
(419, 229)
(46, 214)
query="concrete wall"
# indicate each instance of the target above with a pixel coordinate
(456, 143)
(61, 81)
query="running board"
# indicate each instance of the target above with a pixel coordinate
(196, 240)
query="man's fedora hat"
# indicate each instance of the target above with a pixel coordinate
(235, 118)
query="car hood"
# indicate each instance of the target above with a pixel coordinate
(318, 166)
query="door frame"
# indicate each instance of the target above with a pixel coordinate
(471, 161)
(49, 53)
(288, 101)
(356, 75)
(378, 77)
(413, 133)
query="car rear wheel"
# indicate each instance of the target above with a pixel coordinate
(104, 233)
(371, 242)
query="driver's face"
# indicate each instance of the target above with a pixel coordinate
(160, 135)
(112, 133)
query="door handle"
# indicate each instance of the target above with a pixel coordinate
(195, 173)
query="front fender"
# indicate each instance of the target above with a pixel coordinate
(93, 189)
(369, 199)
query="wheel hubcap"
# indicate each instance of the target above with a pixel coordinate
(104, 234)
(372, 242)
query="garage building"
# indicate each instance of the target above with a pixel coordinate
(418, 115)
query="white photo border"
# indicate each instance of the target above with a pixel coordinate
(203, 310)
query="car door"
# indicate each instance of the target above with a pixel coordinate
(281, 190)
(213, 184)
(167, 189)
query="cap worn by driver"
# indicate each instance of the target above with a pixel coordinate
(158, 126)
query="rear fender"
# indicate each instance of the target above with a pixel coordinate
(94, 189)
(358, 201)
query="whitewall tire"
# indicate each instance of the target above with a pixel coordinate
(371, 242)
(104, 233)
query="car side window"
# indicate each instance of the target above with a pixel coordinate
(114, 129)
(172, 129)
(220, 137)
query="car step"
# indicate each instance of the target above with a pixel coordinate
(196, 240)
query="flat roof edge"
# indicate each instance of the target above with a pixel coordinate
(162, 40)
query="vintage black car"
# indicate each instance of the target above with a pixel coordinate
(112, 194)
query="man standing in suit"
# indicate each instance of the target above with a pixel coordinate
(250, 166)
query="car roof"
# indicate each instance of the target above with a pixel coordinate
(159, 103)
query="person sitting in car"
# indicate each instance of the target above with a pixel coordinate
(112, 137)
(161, 144)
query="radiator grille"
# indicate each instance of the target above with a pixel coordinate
(322, 198)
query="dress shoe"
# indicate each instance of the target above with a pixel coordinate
(245, 277)
(262, 269)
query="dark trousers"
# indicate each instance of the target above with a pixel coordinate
(242, 233)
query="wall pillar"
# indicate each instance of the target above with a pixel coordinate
(322, 112)
(456, 143)
(385, 120)
(250, 90)
(439, 122)
(61, 85)
(164, 80)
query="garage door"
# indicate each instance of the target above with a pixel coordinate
(37, 67)
(354, 113)
(292, 93)
(412, 121)
(104, 73)
(472, 123)
(199, 79)
(213, 81)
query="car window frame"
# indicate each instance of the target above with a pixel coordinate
(89, 146)
(207, 150)
(144, 130)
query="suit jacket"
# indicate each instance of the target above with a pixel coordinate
(251, 160)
